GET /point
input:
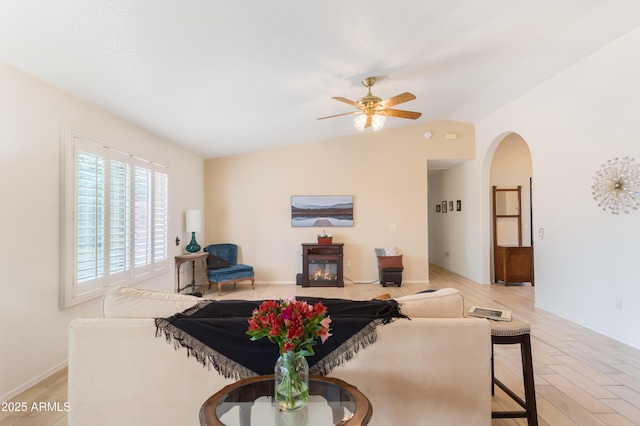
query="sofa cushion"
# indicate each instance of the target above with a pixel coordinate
(231, 273)
(443, 303)
(128, 302)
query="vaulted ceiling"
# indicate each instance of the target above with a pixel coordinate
(220, 77)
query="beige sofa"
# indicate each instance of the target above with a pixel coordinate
(423, 371)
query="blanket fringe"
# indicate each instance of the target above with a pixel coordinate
(343, 353)
(206, 356)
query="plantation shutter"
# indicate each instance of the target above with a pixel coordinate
(116, 218)
(119, 221)
(161, 220)
(142, 240)
(90, 217)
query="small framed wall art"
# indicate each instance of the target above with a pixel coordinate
(459, 205)
(437, 208)
(444, 207)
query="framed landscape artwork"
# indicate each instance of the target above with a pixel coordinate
(323, 211)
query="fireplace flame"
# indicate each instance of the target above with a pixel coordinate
(323, 274)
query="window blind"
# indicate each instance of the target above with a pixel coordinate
(119, 227)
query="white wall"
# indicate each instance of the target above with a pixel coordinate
(572, 123)
(32, 325)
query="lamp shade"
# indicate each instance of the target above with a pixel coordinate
(193, 220)
(377, 121)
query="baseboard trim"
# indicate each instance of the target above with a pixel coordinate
(588, 326)
(34, 381)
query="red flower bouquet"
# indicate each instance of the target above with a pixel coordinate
(292, 324)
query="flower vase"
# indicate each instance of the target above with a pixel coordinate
(291, 377)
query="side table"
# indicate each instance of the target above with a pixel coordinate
(340, 402)
(193, 258)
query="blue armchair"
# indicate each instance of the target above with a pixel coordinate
(223, 266)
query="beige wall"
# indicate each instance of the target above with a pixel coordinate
(248, 196)
(510, 168)
(32, 113)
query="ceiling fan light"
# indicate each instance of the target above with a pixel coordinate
(360, 121)
(377, 122)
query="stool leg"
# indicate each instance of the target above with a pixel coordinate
(529, 402)
(493, 376)
(529, 387)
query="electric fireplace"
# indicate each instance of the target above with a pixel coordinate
(322, 265)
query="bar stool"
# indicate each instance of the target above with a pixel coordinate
(509, 333)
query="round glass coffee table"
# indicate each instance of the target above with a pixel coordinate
(250, 402)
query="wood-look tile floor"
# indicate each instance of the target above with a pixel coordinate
(582, 377)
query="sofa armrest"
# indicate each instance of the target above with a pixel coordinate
(120, 373)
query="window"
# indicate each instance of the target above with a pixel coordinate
(115, 218)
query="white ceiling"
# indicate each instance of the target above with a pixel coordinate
(219, 77)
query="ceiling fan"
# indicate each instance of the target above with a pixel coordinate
(372, 109)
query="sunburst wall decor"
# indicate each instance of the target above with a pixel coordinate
(616, 185)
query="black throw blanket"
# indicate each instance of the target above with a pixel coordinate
(214, 332)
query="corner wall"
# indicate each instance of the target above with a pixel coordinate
(33, 327)
(573, 123)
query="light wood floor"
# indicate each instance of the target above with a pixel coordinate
(582, 377)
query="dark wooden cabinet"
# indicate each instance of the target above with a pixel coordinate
(513, 264)
(510, 263)
(322, 265)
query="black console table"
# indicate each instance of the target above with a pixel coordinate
(322, 265)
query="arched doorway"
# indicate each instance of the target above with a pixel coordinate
(511, 168)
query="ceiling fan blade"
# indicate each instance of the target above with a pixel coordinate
(400, 113)
(398, 99)
(340, 115)
(346, 101)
